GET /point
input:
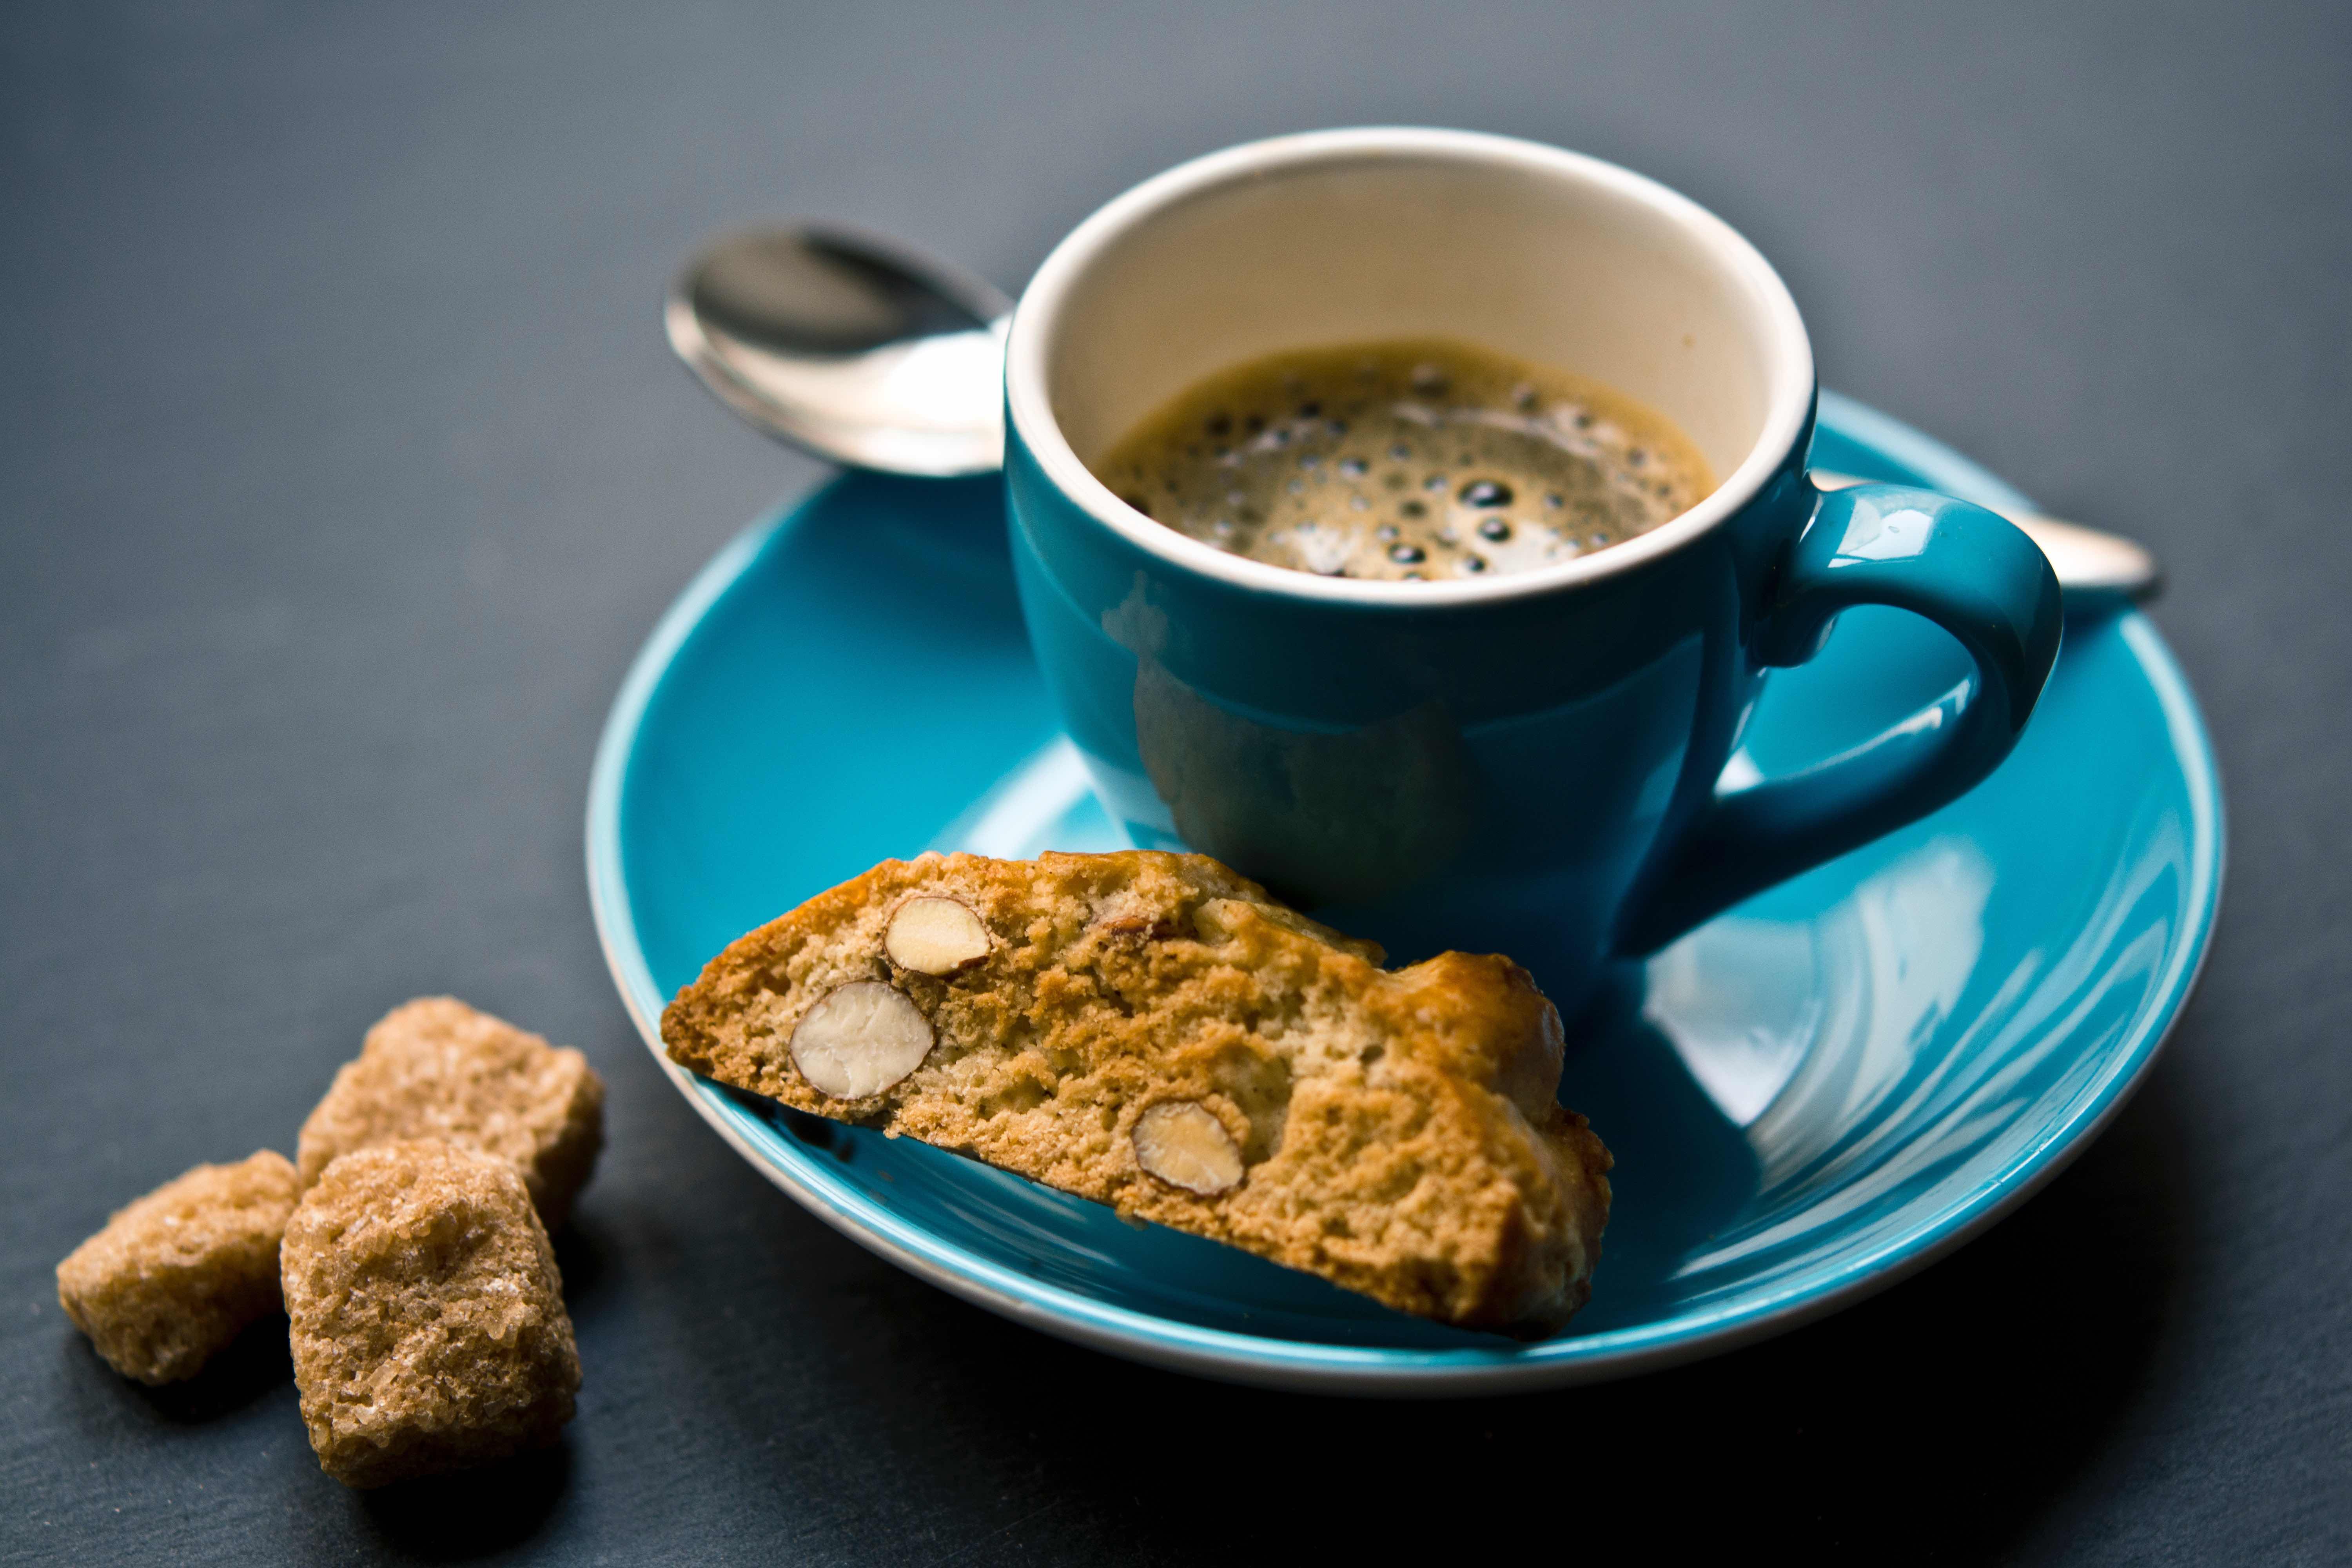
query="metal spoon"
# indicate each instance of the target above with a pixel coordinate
(851, 346)
(872, 354)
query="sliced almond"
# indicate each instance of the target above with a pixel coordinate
(1182, 1142)
(1136, 925)
(859, 1039)
(932, 935)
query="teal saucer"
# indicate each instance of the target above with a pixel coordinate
(1810, 1098)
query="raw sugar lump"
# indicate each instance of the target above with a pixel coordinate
(436, 1067)
(174, 1277)
(428, 1326)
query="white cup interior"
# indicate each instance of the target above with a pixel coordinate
(1338, 237)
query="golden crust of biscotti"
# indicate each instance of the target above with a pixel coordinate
(1398, 1129)
(427, 1316)
(177, 1275)
(436, 1067)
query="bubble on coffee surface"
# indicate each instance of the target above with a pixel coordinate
(1411, 460)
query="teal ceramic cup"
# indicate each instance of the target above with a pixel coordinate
(1542, 764)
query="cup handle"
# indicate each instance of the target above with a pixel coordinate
(1970, 572)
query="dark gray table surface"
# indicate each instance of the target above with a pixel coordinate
(343, 469)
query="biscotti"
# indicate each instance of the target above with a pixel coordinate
(427, 1320)
(436, 1067)
(1151, 1031)
(177, 1275)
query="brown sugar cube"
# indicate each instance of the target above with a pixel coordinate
(436, 1067)
(427, 1317)
(175, 1276)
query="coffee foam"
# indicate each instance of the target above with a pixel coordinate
(1410, 459)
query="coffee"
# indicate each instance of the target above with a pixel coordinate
(1418, 459)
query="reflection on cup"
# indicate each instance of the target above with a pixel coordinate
(1426, 759)
(1345, 817)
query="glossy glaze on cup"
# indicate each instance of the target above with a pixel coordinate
(1531, 764)
(1822, 1092)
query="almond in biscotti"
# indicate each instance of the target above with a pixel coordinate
(1182, 1142)
(1153, 1032)
(932, 935)
(858, 1040)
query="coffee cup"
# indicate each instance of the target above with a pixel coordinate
(1533, 764)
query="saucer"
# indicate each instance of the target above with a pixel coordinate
(1809, 1098)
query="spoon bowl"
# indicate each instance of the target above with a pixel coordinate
(848, 345)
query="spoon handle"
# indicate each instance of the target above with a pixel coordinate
(2090, 562)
